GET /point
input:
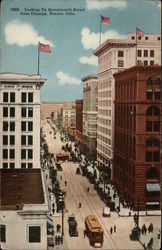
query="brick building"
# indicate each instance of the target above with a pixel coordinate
(136, 168)
(79, 122)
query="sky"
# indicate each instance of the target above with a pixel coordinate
(72, 29)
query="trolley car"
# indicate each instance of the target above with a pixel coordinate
(94, 230)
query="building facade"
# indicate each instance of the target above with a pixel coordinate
(68, 117)
(137, 166)
(90, 116)
(79, 123)
(23, 209)
(116, 55)
(20, 120)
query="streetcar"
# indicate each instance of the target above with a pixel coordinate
(94, 230)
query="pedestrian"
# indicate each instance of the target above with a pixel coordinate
(60, 177)
(159, 235)
(61, 239)
(151, 228)
(114, 229)
(84, 233)
(111, 230)
(88, 189)
(80, 204)
(65, 183)
(56, 239)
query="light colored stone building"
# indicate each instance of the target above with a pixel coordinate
(20, 120)
(68, 117)
(90, 115)
(23, 209)
(114, 55)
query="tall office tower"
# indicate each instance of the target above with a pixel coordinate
(20, 120)
(115, 55)
(90, 115)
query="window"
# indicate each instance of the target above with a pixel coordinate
(153, 156)
(149, 80)
(133, 37)
(23, 126)
(146, 37)
(23, 165)
(120, 53)
(5, 165)
(149, 94)
(158, 80)
(151, 53)
(5, 153)
(23, 112)
(30, 154)
(139, 53)
(139, 38)
(34, 233)
(30, 97)
(145, 62)
(158, 38)
(12, 112)
(120, 63)
(30, 165)
(156, 125)
(30, 112)
(23, 97)
(12, 153)
(12, 126)
(23, 153)
(157, 94)
(12, 140)
(5, 139)
(5, 112)
(145, 53)
(148, 156)
(30, 140)
(12, 97)
(12, 165)
(151, 62)
(23, 140)
(30, 126)
(5, 126)
(148, 126)
(2, 233)
(5, 97)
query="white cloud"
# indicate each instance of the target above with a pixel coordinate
(23, 34)
(66, 79)
(90, 40)
(92, 60)
(105, 4)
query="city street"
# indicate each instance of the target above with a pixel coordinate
(76, 192)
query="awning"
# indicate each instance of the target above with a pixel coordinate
(151, 203)
(153, 187)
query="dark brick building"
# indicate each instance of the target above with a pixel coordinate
(79, 122)
(136, 169)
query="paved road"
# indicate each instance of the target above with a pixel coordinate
(76, 190)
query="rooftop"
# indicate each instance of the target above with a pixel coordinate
(18, 77)
(20, 186)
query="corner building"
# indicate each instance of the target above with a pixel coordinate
(136, 170)
(115, 55)
(20, 120)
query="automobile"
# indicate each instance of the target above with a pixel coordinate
(50, 241)
(72, 225)
(106, 212)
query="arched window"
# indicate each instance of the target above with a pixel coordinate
(152, 142)
(149, 80)
(158, 80)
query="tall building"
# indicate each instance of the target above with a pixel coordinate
(90, 115)
(115, 55)
(136, 170)
(79, 123)
(20, 123)
(68, 117)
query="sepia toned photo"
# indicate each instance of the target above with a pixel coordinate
(80, 124)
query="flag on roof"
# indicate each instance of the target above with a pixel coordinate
(105, 20)
(44, 48)
(139, 32)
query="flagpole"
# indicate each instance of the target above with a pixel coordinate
(38, 56)
(100, 31)
(136, 47)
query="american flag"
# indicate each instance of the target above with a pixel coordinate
(44, 48)
(105, 20)
(139, 32)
